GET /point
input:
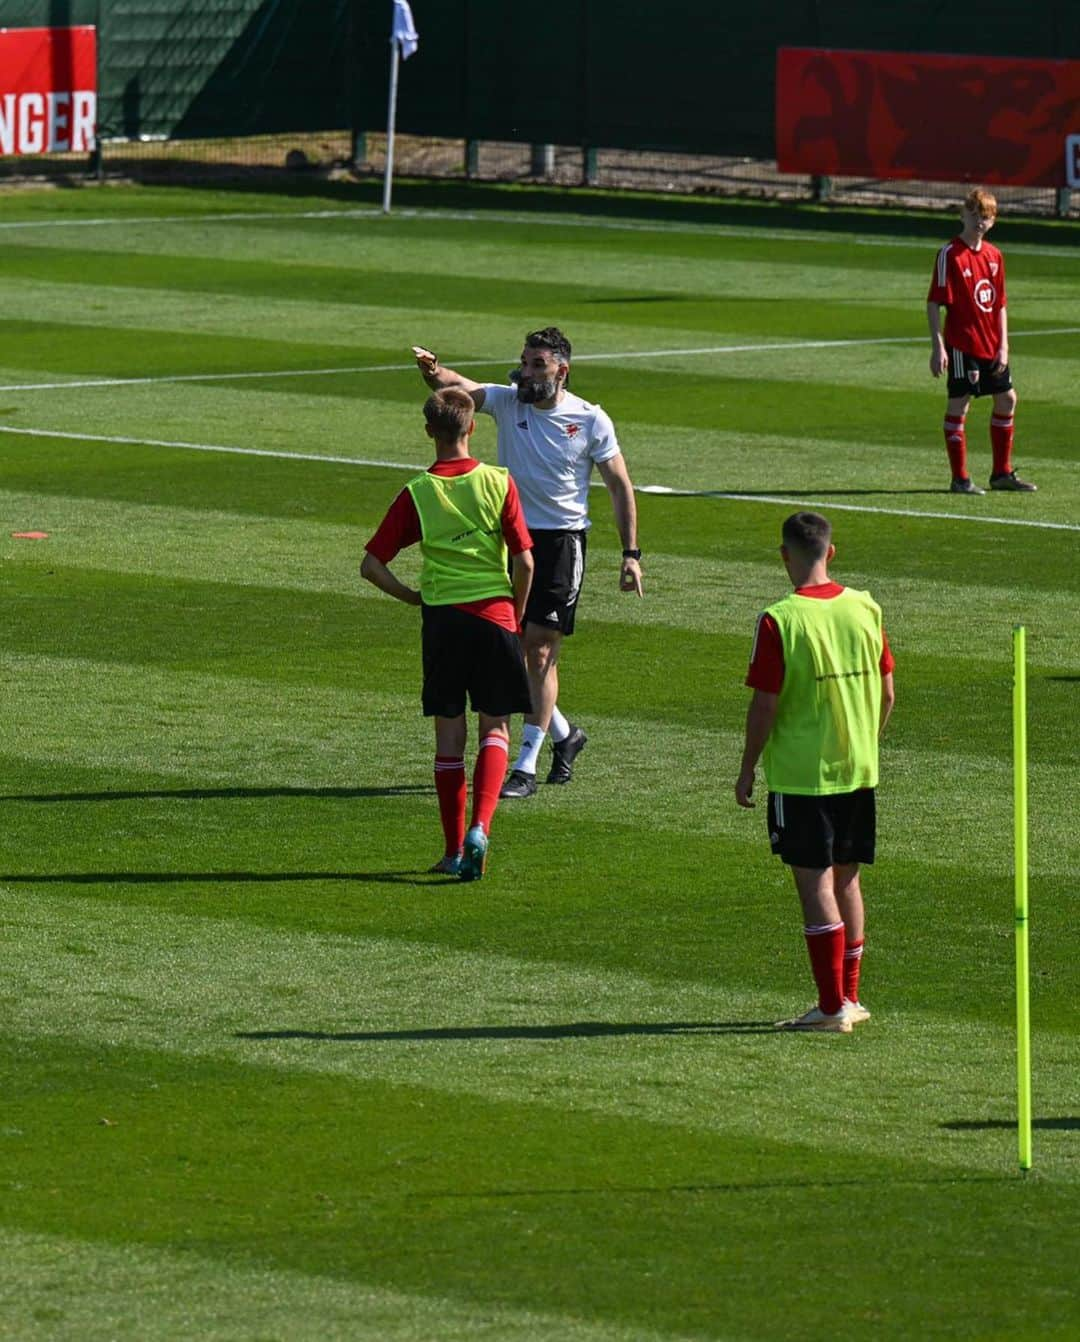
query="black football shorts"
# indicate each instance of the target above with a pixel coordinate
(559, 559)
(465, 654)
(821, 832)
(969, 376)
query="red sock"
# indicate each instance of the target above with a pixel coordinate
(826, 947)
(488, 778)
(956, 445)
(1001, 442)
(852, 966)
(450, 786)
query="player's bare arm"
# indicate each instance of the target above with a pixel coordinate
(888, 699)
(437, 377)
(376, 572)
(938, 358)
(614, 474)
(521, 576)
(1002, 358)
(760, 716)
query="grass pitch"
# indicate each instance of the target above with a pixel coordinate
(265, 1078)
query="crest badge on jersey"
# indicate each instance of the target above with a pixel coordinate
(572, 430)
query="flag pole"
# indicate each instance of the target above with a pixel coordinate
(391, 117)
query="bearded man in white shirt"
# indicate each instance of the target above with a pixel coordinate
(550, 439)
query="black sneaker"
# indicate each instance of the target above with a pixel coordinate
(519, 784)
(564, 753)
(1009, 480)
(963, 484)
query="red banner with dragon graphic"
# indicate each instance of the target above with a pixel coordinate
(892, 114)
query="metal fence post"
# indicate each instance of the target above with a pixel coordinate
(542, 161)
(96, 166)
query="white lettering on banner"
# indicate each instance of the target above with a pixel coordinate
(32, 123)
(84, 122)
(31, 127)
(7, 124)
(57, 111)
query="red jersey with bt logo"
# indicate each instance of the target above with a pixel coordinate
(971, 285)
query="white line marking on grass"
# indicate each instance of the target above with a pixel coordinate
(372, 214)
(802, 503)
(1029, 249)
(210, 447)
(604, 357)
(230, 218)
(210, 377)
(596, 484)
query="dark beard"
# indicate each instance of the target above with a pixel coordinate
(530, 390)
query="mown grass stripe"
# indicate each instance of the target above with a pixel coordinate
(816, 236)
(150, 1291)
(219, 730)
(254, 550)
(496, 1027)
(576, 1191)
(614, 357)
(789, 501)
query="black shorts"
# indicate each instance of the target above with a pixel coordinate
(559, 559)
(821, 832)
(969, 376)
(464, 653)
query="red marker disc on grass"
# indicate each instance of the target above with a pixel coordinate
(30, 535)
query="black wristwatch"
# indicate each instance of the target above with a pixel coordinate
(631, 554)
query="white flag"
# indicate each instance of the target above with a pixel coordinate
(404, 29)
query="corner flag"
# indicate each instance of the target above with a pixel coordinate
(404, 40)
(404, 29)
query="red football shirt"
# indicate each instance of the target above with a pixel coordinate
(971, 285)
(400, 528)
(767, 655)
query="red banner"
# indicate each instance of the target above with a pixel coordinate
(940, 118)
(48, 90)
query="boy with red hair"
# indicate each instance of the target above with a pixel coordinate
(969, 282)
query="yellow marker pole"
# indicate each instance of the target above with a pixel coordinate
(1020, 850)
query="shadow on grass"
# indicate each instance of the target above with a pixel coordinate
(1049, 1124)
(419, 877)
(679, 208)
(223, 793)
(584, 1029)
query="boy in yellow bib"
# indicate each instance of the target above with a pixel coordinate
(822, 675)
(467, 519)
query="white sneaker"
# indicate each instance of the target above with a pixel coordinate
(856, 1012)
(816, 1019)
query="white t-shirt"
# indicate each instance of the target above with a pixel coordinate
(550, 454)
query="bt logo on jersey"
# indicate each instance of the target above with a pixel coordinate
(984, 295)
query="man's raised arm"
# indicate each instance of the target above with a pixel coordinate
(437, 377)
